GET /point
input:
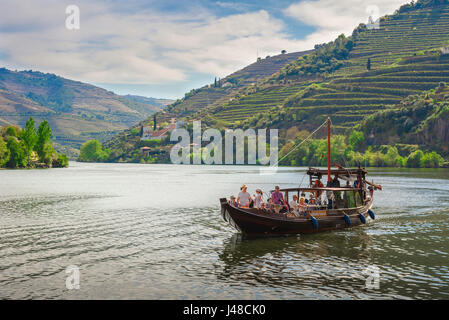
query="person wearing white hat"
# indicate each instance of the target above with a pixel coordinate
(244, 198)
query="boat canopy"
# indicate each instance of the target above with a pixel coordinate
(321, 172)
(317, 189)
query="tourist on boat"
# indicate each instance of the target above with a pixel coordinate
(244, 198)
(330, 196)
(233, 202)
(302, 207)
(258, 199)
(294, 205)
(358, 182)
(251, 203)
(318, 184)
(278, 201)
(312, 201)
(337, 194)
(269, 205)
(335, 182)
(303, 196)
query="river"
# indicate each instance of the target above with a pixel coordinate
(155, 232)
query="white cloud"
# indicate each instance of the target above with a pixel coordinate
(337, 17)
(118, 45)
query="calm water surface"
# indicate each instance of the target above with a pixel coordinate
(155, 232)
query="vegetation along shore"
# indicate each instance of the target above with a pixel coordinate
(29, 148)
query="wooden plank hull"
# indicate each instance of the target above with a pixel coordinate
(254, 222)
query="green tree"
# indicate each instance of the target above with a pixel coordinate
(414, 159)
(401, 161)
(11, 131)
(391, 157)
(61, 161)
(356, 140)
(374, 159)
(432, 160)
(29, 137)
(17, 156)
(91, 151)
(43, 138)
(48, 154)
(4, 153)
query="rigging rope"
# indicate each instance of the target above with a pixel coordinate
(299, 144)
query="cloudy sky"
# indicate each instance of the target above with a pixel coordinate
(165, 48)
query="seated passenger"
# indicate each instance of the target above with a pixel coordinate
(269, 205)
(258, 199)
(302, 207)
(233, 202)
(303, 195)
(312, 200)
(295, 206)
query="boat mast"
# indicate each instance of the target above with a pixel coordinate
(329, 149)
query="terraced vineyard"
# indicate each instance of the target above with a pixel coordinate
(399, 35)
(258, 102)
(357, 96)
(264, 68)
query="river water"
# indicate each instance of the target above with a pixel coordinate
(155, 232)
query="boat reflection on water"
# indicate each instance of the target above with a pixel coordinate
(328, 265)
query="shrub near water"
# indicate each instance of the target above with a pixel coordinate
(91, 151)
(4, 153)
(28, 148)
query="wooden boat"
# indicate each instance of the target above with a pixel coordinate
(266, 222)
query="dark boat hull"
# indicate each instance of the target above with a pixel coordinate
(254, 222)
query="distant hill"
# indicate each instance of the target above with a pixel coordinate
(149, 101)
(76, 111)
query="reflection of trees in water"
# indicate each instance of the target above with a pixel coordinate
(308, 261)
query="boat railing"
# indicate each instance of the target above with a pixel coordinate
(334, 189)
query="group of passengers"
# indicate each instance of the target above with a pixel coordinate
(299, 206)
(276, 202)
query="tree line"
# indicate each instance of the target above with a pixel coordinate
(28, 147)
(352, 151)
